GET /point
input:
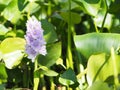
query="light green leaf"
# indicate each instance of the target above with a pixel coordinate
(12, 44)
(90, 7)
(13, 59)
(99, 85)
(48, 72)
(12, 50)
(31, 7)
(95, 43)
(11, 12)
(3, 29)
(100, 67)
(5, 2)
(98, 19)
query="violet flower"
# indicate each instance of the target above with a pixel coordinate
(35, 43)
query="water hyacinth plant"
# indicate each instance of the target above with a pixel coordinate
(35, 44)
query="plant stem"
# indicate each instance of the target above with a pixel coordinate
(69, 52)
(52, 87)
(104, 16)
(36, 76)
(49, 10)
(96, 28)
(116, 81)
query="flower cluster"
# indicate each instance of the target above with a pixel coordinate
(35, 43)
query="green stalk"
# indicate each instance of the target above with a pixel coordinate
(36, 75)
(42, 82)
(104, 16)
(116, 81)
(28, 14)
(52, 86)
(69, 52)
(49, 10)
(96, 28)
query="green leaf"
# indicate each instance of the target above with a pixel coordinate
(10, 33)
(99, 85)
(100, 67)
(12, 51)
(11, 12)
(65, 5)
(3, 29)
(95, 43)
(75, 18)
(13, 59)
(49, 31)
(3, 4)
(98, 19)
(53, 53)
(20, 33)
(90, 7)
(12, 44)
(68, 78)
(46, 71)
(31, 7)
(22, 4)
(3, 73)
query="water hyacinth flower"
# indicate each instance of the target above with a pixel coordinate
(35, 43)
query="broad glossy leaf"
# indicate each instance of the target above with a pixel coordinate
(68, 77)
(94, 43)
(12, 59)
(49, 31)
(99, 85)
(31, 7)
(12, 44)
(11, 12)
(3, 29)
(98, 19)
(100, 67)
(90, 7)
(75, 18)
(12, 51)
(53, 53)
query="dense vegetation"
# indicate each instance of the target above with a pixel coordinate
(82, 43)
